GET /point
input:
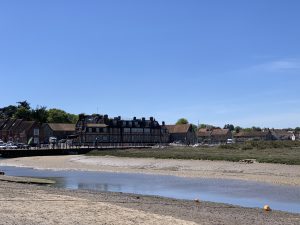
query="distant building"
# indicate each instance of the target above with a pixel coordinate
(20, 131)
(183, 133)
(58, 130)
(204, 135)
(101, 130)
(252, 135)
(213, 135)
(220, 136)
(281, 134)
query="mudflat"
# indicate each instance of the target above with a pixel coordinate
(261, 172)
(30, 204)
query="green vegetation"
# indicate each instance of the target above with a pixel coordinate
(182, 121)
(39, 114)
(284, 152)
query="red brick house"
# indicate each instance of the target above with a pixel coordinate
(20, 131)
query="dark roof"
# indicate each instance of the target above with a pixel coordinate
(251, 134)
(180, 128)
(16, 125)
(8, 123)
(26, 125)
(2, 122)
(61, 126)
(219, 132)
(203, 132)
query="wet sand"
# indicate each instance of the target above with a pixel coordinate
(261, 172)
(29, 204)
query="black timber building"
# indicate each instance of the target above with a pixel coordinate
(101, 130)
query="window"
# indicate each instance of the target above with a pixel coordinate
(97, 130)
(147, 130)
(90, 130)
(126, 130)
(36, 132)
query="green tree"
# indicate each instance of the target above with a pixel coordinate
(297, 129)
(24, 104)
(182, 121)
(23, 113)
(194, 127)
(60, 116)
(256, 128)
(229, 126)
(40, 114)
(202, 125)
(238, 129)
(8, 111)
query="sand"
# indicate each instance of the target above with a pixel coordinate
(27, 204)
(261, 172)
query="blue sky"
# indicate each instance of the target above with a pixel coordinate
(212, 61)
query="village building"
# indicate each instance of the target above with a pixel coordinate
(253, 135)
(220, 136)
(20, 131)
(213, 135)
(182, 133)
(204, 135)
(102, 130)
(281, 134)
(58, 130)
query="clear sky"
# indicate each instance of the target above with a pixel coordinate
(213, 61)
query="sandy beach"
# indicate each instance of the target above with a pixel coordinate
(261, 172)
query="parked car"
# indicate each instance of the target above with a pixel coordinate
(2, 145)
(22, 146)
(11, 146)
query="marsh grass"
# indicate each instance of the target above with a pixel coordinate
(284, 152)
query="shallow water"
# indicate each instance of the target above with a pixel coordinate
(243, 193)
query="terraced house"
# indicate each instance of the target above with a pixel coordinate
(101, 130)
(20, 131)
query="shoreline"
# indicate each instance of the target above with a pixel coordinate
(278, 174)
(50, 205)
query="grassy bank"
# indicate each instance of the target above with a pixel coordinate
(284, 152)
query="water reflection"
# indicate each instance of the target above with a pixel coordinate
(249, 194)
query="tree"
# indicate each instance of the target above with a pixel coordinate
(182, 121)
(202, 125)
(60, 116)
(194, 127)
(24, 104)
(256, 128)
(237, 129)
(23, 113)
(297, 129)
(40, 114)
(8, 111)
(229, 126)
